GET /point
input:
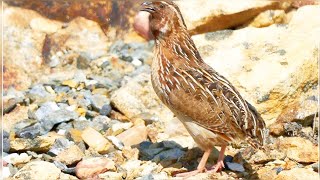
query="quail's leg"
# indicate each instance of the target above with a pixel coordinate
(200, 168)
(220, 165)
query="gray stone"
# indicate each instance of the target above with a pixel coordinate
(83, 62)
(28, 128)
(56, 117)
(6, 142)
(64, 168)
(38, 94)
(171, 154)
(59, 145)
(131, 51)
(235, 167)
(98, 101)
(11, 98)
(105, 110)
(6, 145)
(61, 89)
(81, 124)
(148, 154)
(100, 123)
(64, 126)
(46, 109)
(292, 128)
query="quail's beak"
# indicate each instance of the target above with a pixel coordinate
(148, 7)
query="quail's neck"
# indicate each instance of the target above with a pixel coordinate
(178, 46)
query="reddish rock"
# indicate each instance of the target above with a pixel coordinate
(92, 167)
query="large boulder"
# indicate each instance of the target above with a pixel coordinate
(206, 15)
(272, 67)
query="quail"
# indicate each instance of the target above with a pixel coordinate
(208, 105)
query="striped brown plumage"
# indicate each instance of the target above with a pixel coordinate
(209, 106)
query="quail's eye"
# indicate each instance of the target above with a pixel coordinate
(161, 6)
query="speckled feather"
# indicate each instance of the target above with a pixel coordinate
(195, 92)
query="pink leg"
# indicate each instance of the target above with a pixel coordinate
(200, 168)
(220, 165)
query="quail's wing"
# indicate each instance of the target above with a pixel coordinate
(210, 100)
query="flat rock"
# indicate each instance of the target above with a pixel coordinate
(263, 157)
(298, 149)
(219, 14)
(134, 135)
(71, 155)
(36, 169)
(38, 144)
(297, 174)
(92, 167)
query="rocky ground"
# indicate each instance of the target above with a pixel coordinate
(78, 101)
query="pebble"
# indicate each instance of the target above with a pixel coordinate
(105, 110)
(111, 175)
(91, 167)
(71, 83)
(98, 101)
(74, 135)
(28, 128)
(56, 117)
(61, 89)
(37, 169)
(134, 135)
(117, 126)
(39, 95)
(46, 109)
(116, 142)
(38, 144)
(235, 167)
(64, 168)
(16, 158)
(60, 145)
(71, 155)
(6, 144)
(100, 123)
(95, 140)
